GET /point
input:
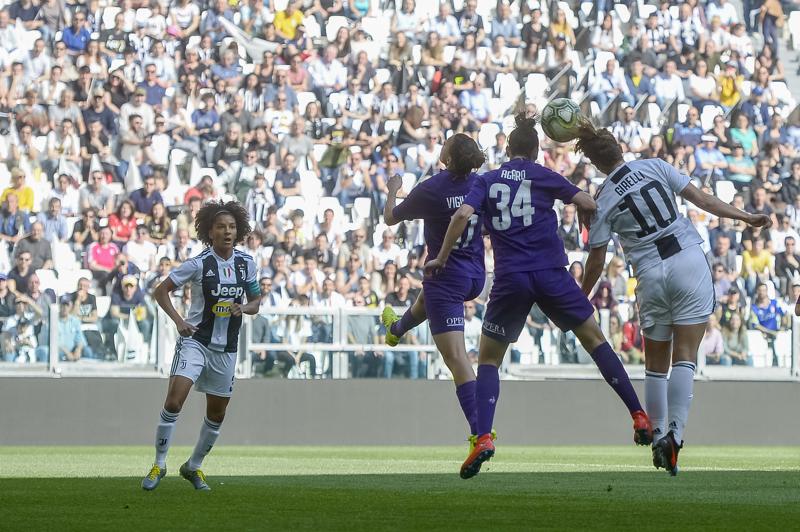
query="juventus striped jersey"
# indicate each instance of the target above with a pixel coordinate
(216, 284)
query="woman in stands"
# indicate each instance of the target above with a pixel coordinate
(674, 292)
(442, 299)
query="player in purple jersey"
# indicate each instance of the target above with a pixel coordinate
(442, 298)
(675, 292)
(516, 201)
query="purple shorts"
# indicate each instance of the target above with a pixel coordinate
(444, 301)
(513, 295)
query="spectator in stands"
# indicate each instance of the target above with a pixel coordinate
(71, 343)
(402, 298)
(183, 247)
(667, 85)
(736, 343)
(759, 203)
(639, 83)
(39, 248)
(144, 198)
(568, 229)
(287, 180)
(15, 223)
(122, 223)
(722, 283)
(560, 27)
(609, 85)
(55, 224)
(386, 251)
(758, 265)
(96, 195)
(741, 167)
(766, 316)
(101, 255)
(76, 36)
(327, 74)
(20, 276)
(629, 131)
(690, 132)
(476, 101)
(84, 302)
(7, 297)
(21, 190)
(712, 348)
(140, 251)
(722, 254)
(757, 110)
(709, 160)
(85, 231)
(129, 299)
(787, 265)
(19, 337)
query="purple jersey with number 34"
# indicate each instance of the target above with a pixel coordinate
(516, 201)
(435, 200)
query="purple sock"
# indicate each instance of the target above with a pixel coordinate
(466, 397)
(614, 373)
(486, 395)
(406, 323)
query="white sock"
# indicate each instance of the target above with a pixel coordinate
(681, 384)
(655, 396)
(164, 435)
(208, 435)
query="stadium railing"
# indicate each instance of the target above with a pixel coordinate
(136, 358)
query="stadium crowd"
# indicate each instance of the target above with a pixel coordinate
(117, 120)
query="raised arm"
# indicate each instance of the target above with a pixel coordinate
(456, 228)
(394, 184)
(593, 269)
(718, 207)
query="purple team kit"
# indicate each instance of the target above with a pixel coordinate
(435, 200)
(516, 202)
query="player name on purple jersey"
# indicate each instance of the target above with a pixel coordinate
(435, 200)
(516, 201)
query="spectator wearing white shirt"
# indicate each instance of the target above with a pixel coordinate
(328, 75)
(140, 251)
(308, 280)
(610, 83)
(472, 331)
(445, 25)
(668, 85)
(386, 251)
(724, 10)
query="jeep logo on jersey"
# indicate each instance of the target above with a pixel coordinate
(223, 290)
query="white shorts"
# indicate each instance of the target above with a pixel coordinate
(212, 372)
(678, 291)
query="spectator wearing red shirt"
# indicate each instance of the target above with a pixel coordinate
(122, 223)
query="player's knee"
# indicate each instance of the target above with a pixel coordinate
(215, 415)
(173, 405)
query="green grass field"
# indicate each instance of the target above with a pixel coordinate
(394, 488)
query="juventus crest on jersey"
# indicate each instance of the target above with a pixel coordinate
(217, 284)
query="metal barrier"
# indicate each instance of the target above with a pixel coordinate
(155, 358)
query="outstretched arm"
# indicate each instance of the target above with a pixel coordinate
(456, 228)
(718, 207)
(587, 208)
(593, 269)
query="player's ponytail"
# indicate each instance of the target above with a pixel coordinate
(599, 145)
(463, 155)
(524, 140)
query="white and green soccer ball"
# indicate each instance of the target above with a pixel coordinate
(560, 119)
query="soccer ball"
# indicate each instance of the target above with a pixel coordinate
(560, 119)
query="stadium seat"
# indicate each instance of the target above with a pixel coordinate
(683, 110)
(759, 349)
(362, 208)
(486, 136)
(725, 191)
(293, 203)
(708, 115)
(332, 26)
(409, 180)
(103, 304)
(392, 126)
(378, 29)
(108, 16)
(49, 281)
(622, 12)
(313, 29)
(449, 53)
(535, 86)
(382, 75)
(794, 29)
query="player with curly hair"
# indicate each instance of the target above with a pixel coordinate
(516, 202)
(224, 285)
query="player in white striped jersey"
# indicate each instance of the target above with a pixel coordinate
(221, 278)
(674, 289)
